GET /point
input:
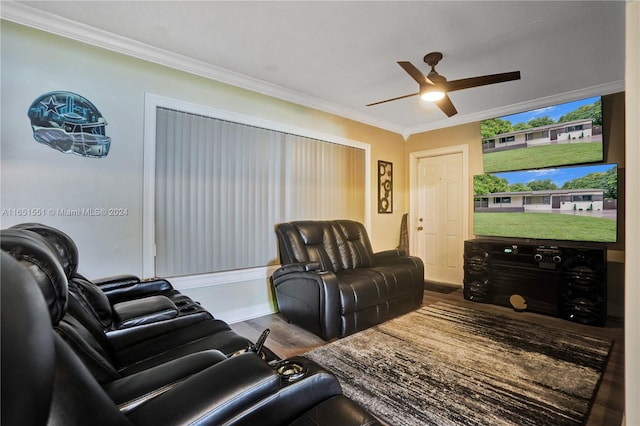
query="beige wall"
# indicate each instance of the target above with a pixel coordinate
(466, 134)
(613, 118)
(386, 146)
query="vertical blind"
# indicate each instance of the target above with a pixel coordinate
(221, 187)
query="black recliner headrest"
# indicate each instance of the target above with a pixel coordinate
(35, 254)
(65, 247)
(28, 354)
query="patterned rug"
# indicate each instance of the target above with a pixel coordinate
(448, 365)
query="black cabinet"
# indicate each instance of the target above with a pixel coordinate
(568, 281)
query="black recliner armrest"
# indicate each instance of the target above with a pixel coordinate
(311, 300)
(132, 313)
(337, 410)
(212, 396)
(126, 338)
(296, 267)
(387, 254)
(132, 391)
(116, 281)
(295, 397)
(132, 288)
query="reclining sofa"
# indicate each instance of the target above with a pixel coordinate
(62, 364)
(333, 284)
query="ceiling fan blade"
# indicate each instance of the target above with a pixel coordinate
(446, 106)
(467, 83)
(394, 99)
(414, 72)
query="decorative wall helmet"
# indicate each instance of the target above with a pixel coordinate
(69, 123)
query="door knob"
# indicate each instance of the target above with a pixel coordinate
(420, 228)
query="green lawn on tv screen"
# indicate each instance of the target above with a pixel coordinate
(551, 226)
(536, 157)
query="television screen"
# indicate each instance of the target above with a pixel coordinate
(563, 134)
(576, 203)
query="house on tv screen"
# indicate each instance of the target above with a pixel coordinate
(581, 130)
(560, 201)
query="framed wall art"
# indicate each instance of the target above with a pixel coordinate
(385, 187)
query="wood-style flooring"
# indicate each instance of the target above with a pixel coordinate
(287, 340)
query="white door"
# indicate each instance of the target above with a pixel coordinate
(439, 216)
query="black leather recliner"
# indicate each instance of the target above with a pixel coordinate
(110, 356)
(333, 284)
(130, 310)
(44, 381)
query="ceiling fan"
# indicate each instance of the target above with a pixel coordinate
(435, 87)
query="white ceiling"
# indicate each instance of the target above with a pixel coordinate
(339, 56)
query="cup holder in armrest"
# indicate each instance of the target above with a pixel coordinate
(290, 371)
(189, 308)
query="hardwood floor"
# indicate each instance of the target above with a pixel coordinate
(287, 340)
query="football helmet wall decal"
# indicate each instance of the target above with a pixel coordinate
(69, 123)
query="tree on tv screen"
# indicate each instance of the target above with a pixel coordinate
(605, 180)
(592, 111)
(488, 184)
(496, 126)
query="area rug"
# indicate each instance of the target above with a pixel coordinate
(449, 365)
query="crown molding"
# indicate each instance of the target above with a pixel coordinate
(45, 21)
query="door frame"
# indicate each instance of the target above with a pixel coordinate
(414, 157)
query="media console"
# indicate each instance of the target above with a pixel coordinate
(567, 281)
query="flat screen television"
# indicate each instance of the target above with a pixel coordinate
(577, 203)
(557, 135)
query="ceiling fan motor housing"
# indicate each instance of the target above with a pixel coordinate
(433, 58)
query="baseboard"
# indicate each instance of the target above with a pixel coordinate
(246, 313)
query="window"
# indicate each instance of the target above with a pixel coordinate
(507, 139)
(574, 128)
(221, 186)
(537, 199)
(544, 134)
(501, 200)
(587, 197)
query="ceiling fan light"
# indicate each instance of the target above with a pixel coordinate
(432, 95)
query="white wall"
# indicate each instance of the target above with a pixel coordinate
(36, 176)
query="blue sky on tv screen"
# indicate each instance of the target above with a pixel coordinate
(557, 175)
(554, 111)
